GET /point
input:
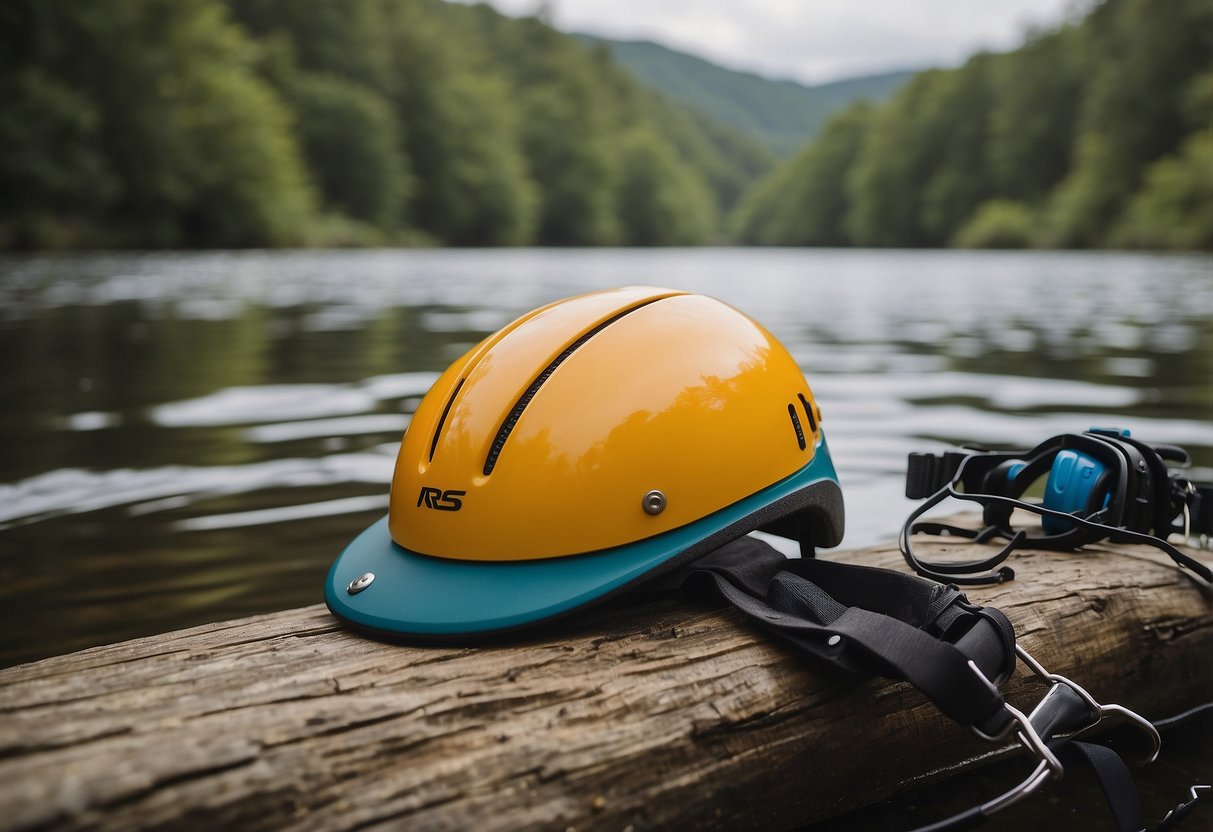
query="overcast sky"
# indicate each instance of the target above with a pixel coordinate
(811, 41)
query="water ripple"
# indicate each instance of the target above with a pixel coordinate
(288, 402)
(77, 491)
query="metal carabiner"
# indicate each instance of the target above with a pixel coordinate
(1047, 765)
(1172, 817)
(1099, 711)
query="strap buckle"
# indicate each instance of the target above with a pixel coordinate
(1024, 728)
(1047, 765)
(1099, 712)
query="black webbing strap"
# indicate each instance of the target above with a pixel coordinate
(1201, 509)
(1114, 778)
(1109, 769)
(1062, 712)
(870, 621)
(927, 473)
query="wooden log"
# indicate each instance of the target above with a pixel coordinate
(665, 714)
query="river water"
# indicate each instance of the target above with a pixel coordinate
(192, 437)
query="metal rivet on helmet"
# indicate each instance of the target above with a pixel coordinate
(360, 583)
(653, 502)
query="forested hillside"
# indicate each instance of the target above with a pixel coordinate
(161, 123)
(1097, 134)
(783, 114)
(202, 123)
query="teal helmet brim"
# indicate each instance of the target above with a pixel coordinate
(415, 595)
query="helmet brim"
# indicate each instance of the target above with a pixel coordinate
(419, 596)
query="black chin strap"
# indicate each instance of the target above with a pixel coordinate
(870, 622)
(876, 622)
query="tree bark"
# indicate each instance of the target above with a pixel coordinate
(664, 714)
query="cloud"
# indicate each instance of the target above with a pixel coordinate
(811, 41)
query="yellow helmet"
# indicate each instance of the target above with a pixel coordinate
(588, 445)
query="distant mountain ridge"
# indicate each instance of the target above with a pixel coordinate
(785, 115)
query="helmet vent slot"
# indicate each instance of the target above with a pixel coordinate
(796, 424)
(511, 419)
(808, 411)
(442, 419)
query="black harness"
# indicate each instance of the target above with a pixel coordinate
(876, 622)
(1101, 484)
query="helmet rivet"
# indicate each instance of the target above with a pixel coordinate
(360, 583)
(653, 502)
(834, 640)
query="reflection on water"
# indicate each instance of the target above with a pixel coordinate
(193, 437)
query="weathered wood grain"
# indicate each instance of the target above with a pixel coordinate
(659, 715)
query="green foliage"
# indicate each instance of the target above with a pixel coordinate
(1174, 209)
(568, 128)
(475, 189)
(1082, 205)
(52, 173)
(900, 152)
(1034, 103)
(267, 122)
(1141, 58)
(155, 110)
(1057, 144)
(959, 179)
(922, 169)
(348, 39)
(350, 139)
(274, 122)
(573, 164)
(662, 201)
(806, 201)
(1197, 101)
(729, 160)
(999, 223)
(472, 184)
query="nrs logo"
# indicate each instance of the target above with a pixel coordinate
(440, 500)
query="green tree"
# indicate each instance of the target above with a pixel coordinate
(567, 125)
(661, 201)
(923, 168)
(729, 159)
(1034, 97)
(54, 177)
(349, 39)
(472, 184)
(574, 108)
(900, 152)
(351, 139)
(1142, 55)
(999, 223)
(1048, 143)
(179, 140)
(1174, 208)
(230, 122)
(806, 202)
(1081, 207)
(960, 177)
